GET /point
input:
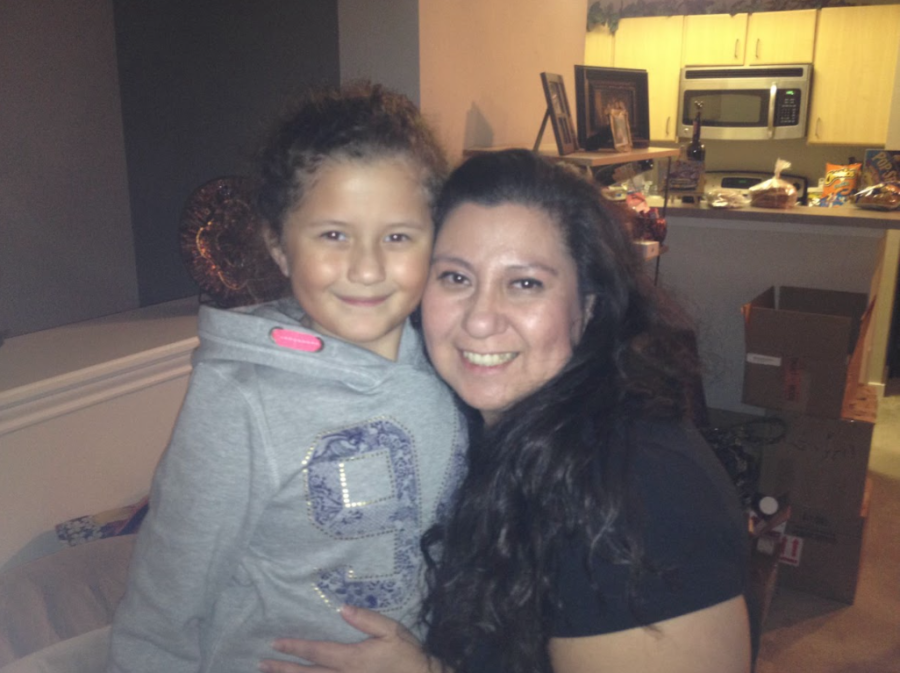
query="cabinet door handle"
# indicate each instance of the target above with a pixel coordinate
(818, 121)
(737, 43)
(757, 49)
(668, 119)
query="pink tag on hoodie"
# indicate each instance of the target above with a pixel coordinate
(297, 341)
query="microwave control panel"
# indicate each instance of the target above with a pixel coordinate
(787, 107)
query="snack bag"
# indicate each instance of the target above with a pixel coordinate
(883, 196)
(840, 183)
(774, 192)
(880, 166)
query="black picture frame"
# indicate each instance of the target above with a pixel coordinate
(599, 89)
(560, 113)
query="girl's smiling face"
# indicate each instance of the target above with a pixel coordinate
(356, 250)
(501, 312)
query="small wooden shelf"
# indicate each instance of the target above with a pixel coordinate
(590, 159)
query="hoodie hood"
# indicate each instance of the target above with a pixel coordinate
(272, 335)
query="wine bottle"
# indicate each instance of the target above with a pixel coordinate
(696, 150)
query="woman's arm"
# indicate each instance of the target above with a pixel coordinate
(713, 640)
(392, 648)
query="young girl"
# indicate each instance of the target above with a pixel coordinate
(315, 444)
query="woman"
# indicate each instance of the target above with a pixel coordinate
(595, 530)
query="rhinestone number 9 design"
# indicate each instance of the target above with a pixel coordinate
(397, 515)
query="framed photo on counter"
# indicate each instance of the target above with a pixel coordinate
(621, 130)
(598, 92)
(559, 112)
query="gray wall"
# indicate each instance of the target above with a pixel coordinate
(111, 114)
(200, 82)
(66, 249)
(380, 41)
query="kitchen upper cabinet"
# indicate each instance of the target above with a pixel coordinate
(598, 47)
(652, 44)
(855, 63)
(714, 39)
(781, 37)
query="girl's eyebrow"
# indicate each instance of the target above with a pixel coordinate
(331, 222)
(515, 268)
(413, 224)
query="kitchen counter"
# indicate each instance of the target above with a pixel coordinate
(718, 259)
(840, 216)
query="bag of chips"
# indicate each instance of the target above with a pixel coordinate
(774, 192)
(840, 183)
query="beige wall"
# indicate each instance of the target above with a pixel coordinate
(472, 65)
(481, 62)
(893, 139)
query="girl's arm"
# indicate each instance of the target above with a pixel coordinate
(203, 504)
(711, 640)
(392, 648)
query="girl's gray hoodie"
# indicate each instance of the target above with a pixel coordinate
(295, 481)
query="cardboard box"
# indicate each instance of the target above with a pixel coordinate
(821, 464)
(798, 343)
(824, 565)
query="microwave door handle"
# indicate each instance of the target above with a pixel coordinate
(771, 126)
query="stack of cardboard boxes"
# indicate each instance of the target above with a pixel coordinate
(804, 351)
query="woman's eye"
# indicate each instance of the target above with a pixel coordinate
(452, 278)
(528, 284)
(333, 236)
(398, 238)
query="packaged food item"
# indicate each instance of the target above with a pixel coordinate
(726, 198)
(686, 175)
(883, 196)
(840, 182)
(880, 166)
(645, 222)
(774, 192)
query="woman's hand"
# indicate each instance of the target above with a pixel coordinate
(392, 648)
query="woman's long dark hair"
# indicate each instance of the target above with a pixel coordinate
(532, 480)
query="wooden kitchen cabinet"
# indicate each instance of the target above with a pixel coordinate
(855, 63)
(714, 39)
(653, 44)
(598, 47)
(781, 37)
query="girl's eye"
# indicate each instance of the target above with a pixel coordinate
(333, 236)
(528, 284)
(398, 238)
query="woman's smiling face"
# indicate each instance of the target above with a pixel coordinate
(501, 312)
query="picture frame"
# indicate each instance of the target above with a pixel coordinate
(598, 90)
(621, 130)
(559, 112)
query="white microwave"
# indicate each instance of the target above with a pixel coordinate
(746, 103)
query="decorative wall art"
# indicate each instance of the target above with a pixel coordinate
(222, 247)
